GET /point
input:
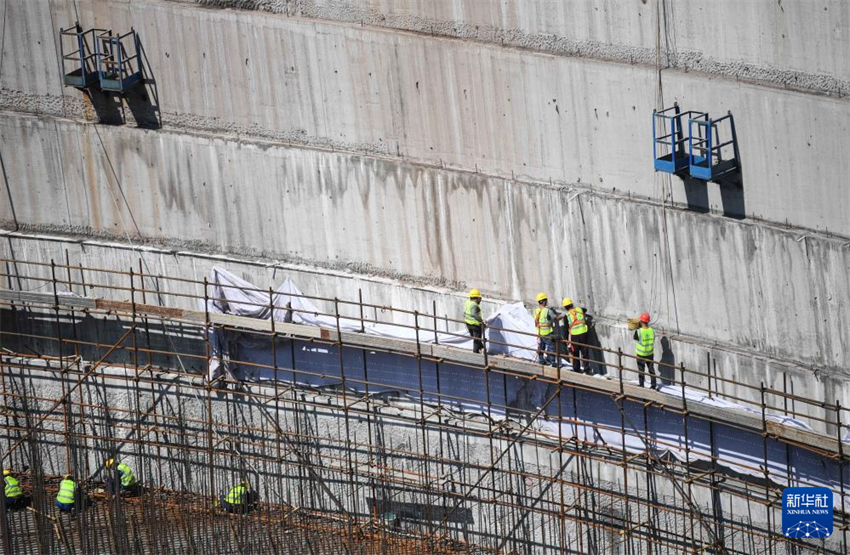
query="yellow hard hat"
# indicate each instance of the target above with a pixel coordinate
(67, 477)
(109, 463)
(566, 301)
(475, 294)
(6, 472)
(542, 297)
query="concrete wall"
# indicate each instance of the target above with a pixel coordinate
(794, 43)
(717, 280)
(470, 105)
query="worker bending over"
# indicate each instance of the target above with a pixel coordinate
(240, 499)
(126, 479)
(544, 321)
(12, 491)
(66, 498)
(575, 331)
(645, 349)
(474, 320)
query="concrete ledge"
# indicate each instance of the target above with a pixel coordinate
(739, 419)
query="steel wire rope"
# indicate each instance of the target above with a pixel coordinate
(665, 180)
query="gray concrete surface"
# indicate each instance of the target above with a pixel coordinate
(476, 106)
(794, 43)
(502, 145)
(714, 279)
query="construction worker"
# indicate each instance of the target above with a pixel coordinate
(67, 495)
(12, 492)
(125, 476)
(473, 319)
(645, 349)
(575, 331)
(544, 321)
(239, 499)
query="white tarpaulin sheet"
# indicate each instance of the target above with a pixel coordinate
(233, 295)
(597, 417)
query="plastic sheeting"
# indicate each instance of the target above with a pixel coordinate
(233, 295)
(597, 418)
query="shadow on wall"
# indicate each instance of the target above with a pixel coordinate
(597, 361)
(731, 195)
(667, 368)
(142, 101)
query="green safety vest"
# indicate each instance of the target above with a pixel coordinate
(127, 478)
(13, 487)
(472, 313)
(645, 345)
(237, 495)
(543, 321)
(67, 488)
(578, 325)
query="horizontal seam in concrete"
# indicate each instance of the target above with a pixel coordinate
(584, 188)
(542, 43)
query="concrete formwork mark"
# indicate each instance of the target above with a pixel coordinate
(315, 90)
(367, 13)
(619, 250)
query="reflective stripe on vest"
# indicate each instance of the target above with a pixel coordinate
(578, 325)
(66, 492)
(472, 313)
(543, 321)
(127, 478)
(645, 345)
(236, 496)
(13, 488)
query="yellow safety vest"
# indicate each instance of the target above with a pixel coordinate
(645, 345)
(578, 325)
(13, 487)
(237, 495)
(472, 313)
(127, 478)
(67, 488)
(543, 321)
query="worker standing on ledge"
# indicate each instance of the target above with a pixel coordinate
(544, 321)
(125, 477)
(67, 496)
(474, 321)
(645, 349)
(575, 332)
(12, 491)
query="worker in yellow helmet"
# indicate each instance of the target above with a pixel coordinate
(126, 478)
(474, 320)
(645, 349)
(12, 491)
(240, 498)
(544, 321)
(575, 332)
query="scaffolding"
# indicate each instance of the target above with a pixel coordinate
(97, 363)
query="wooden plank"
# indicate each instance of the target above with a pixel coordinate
(45, 298)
